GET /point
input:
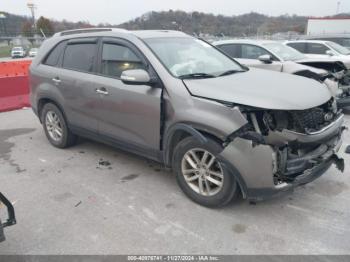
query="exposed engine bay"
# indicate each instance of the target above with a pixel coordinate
(301, 139)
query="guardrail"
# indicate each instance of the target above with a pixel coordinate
(14, 85)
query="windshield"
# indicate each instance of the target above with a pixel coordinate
(17, 49)
(340, 49)
(285, 52)
(189, 56)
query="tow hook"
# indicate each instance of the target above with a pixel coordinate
(339, 163)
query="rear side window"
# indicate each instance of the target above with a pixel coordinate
(319, 49)
(232, 50)
(55, 54)
(117, 58)
(301, 47)
(80, 57)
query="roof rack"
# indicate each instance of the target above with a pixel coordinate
(89, 30)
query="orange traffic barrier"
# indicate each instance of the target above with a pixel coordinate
(14, 68)
(14, 85)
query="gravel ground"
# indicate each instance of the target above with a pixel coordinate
(66, 203)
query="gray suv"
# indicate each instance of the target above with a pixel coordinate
(224, 129)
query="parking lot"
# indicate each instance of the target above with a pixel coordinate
(73, 202)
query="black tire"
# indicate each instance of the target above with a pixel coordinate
(68, 138)
(229, 188)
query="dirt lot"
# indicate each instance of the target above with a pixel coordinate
(67, 203)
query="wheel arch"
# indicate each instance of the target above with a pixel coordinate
(45, 100)
(180, 131)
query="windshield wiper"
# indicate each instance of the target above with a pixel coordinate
(231, 72)
(196, 75)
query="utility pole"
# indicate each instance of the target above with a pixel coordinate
(32, 8)
(338, 7)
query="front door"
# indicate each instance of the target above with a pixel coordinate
(129, 114)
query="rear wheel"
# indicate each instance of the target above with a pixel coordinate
(201, 175)
(55, 127)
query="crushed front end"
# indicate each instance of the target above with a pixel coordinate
(281, 149)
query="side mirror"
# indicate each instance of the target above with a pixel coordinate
(135, 77)
(267, 59)
(330, 53)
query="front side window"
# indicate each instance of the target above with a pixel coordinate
(285, 52)
(318, 49)
(80, 57)
(253, 52)
(191, 57)
(117, 58)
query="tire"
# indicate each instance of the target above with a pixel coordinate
(225, 187)
(67, 138)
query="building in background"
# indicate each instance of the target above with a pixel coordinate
(319, 26)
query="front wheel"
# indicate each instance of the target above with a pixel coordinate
(201, 175)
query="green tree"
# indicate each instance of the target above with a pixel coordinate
(45, 25)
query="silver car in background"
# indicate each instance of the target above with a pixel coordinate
(222, 128)
(341, 39)
(275, 56)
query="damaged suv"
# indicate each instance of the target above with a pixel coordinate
(164, 95)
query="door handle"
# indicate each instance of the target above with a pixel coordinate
(102, 91)
(56, 80)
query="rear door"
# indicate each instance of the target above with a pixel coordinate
(76, 83)
(128, 114)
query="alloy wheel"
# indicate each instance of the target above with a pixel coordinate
(202, 172)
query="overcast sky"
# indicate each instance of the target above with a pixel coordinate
(118, 11)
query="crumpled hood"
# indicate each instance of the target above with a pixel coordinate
(262, 89)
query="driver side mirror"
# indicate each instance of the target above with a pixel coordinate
(136, 77)
(330, 53)
(267, 59)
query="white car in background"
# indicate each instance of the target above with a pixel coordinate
(322, 49)
(275, 56)
(33, 52)
(18, 52)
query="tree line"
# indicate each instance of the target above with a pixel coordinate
(196, 23)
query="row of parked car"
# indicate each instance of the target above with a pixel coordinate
(21, 52)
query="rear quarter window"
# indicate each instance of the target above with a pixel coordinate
(232, 50)
(301, 47)
(55, 54)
